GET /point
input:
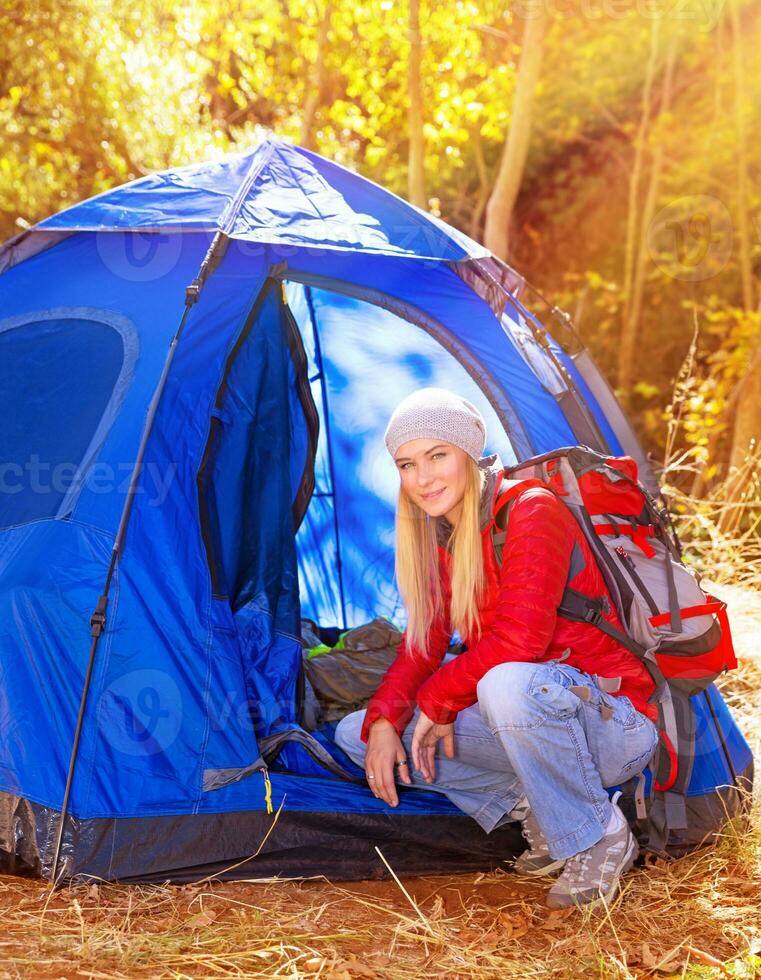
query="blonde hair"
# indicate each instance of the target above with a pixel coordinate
(417, 566)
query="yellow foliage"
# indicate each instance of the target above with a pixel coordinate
(96, 93)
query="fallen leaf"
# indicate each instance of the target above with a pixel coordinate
(304, 925)
(514, 925)
(201, 919)
(556, 919)
(313, 964)
(437, 910)
(354, 967)
(749, 888)
(382, 957)
(667, 963)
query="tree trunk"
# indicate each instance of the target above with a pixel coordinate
(742, 389)
(483, 184)
(627, 368)
(747, 427)
(747, 421)
(743, 220)
(628, 326)
(744, 457)
(316, 84)
(416, 160)
(499, 210)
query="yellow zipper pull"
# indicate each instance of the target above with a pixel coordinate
(267, 790)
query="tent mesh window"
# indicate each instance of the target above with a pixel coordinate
(58, 377)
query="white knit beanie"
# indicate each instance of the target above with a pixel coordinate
(434, 413)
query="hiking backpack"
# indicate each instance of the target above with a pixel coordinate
(681, 634)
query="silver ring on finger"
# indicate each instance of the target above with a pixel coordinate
(371, 777)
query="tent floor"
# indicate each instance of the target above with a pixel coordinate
(245, 845)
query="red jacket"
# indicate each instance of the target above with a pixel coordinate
(519, 621)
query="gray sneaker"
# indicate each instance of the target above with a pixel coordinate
(595, 873)
(536, 860)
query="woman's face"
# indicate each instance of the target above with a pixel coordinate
(433, 475)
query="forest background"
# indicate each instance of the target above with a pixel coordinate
(603, 147)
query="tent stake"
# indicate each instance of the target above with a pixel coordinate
(98, 620)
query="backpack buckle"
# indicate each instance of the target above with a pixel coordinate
(595, 610)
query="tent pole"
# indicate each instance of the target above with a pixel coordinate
(98, 619)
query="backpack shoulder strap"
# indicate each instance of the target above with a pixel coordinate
(506, 499)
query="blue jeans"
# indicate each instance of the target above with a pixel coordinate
(529, 735)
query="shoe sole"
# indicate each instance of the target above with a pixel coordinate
(570, 901)
(540, 872)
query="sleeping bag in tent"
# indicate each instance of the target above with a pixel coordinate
(195, 372)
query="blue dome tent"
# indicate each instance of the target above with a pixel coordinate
(195, 373)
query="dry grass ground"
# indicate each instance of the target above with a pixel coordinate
(695, 918)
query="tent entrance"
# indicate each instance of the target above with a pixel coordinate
(362, 359)
(296, 490)
(296, 443)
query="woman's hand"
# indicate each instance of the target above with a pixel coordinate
(384, 757)
(424, 740)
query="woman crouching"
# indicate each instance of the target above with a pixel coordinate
(527, 721)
